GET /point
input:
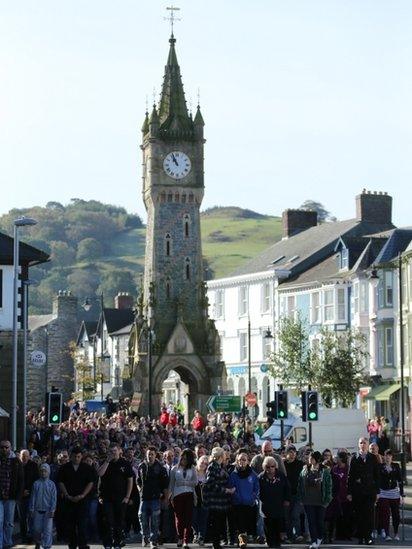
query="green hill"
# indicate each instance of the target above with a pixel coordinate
(97, 247)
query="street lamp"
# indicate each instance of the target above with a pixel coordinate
(374, 278)
(26, 284)
(87, 305)
(20, 222)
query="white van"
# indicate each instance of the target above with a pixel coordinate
(336, 428)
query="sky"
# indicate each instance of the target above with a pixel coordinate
(302, 99)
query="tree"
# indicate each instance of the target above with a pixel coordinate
(334, 366)
(113, 282)
(89, 249)
(83, 374)
(340, 365)
(292, 363)
(83, 282)
(61, 253)
(323, 214)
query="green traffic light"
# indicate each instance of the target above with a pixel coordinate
(281, 413)
(312, 415)
(55, 418)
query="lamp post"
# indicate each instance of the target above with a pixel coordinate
(87, 305)
(374, 278)
(26, 284)
(20, 222)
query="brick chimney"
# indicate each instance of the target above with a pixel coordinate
(375, 207)
(123, 300)
(296, 221)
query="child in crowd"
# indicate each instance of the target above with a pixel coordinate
(42, 507)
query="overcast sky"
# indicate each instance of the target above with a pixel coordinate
(301, 99)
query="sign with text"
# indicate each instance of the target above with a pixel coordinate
(224, 403)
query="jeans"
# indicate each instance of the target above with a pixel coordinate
(149, 516)
(316, 520)
(200, 516)
(183, 508)
(217, 525)
(23, 511)
(92, 506)
(114, 512)
(386, 507)
(42, 529)
(293, 513)
(272, 527)
(76, 524)
(7, 507)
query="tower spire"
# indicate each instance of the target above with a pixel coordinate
(174, 118)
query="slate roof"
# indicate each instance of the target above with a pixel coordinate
(319, 273)
(28, 255)
(397, 243)
(39, 321)
(301, 252)
(123, 331)
(116, 319)
(88, 326)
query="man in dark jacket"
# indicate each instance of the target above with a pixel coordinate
(363, 488)
(152, 481)
(75, 480)
(293, 469)
(11, 489)
(30, 474)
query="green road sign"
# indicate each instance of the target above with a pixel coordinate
(224, 403)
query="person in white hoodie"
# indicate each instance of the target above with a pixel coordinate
(42, 507)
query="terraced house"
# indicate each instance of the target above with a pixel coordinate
(322, 272)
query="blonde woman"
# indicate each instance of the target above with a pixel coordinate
(201, 512)
(216, 495)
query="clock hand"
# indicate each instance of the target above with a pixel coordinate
(174, 159)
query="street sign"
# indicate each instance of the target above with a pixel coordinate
(224, 403)
(251, 399)
(38, 358)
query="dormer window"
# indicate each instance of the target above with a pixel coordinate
(344, 258)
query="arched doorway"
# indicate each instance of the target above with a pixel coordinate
(182, 381)
(230, 385)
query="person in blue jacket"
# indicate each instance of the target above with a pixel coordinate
(245, 498)
(42, 506)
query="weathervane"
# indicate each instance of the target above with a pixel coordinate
(172, 17)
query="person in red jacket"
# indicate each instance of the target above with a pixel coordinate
(198, 422)
(173, 419)
(164, 417)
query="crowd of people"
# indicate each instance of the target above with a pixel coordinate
(117, 478)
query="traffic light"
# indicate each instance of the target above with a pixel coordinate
(271, 411)
(281, 398)
(54, 404)
(310, 406)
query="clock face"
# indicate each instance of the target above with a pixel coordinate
(177, 165)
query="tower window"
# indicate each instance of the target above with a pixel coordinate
(168, 247)
(186, 223)
(191, 197)
(183, 198)
(187, 268)
(170, 197)
(163, 197)
(168, 288)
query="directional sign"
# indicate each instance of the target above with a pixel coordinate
(224, 403)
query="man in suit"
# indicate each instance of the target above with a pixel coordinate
(363, 488)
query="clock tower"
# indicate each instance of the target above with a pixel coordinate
(173, 304)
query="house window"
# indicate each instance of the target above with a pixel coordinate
(243, 300)
(291, 306)
(389, 345)
(315, 308)
(243, 346)
(363, 297)
(356, 297)
(385, 346)
(219, 303)
(341, 304)
(328, 315)
(385, 290)
(267, 346)
(266, 297)
(344, 258)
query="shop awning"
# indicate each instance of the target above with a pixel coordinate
(383, 392)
